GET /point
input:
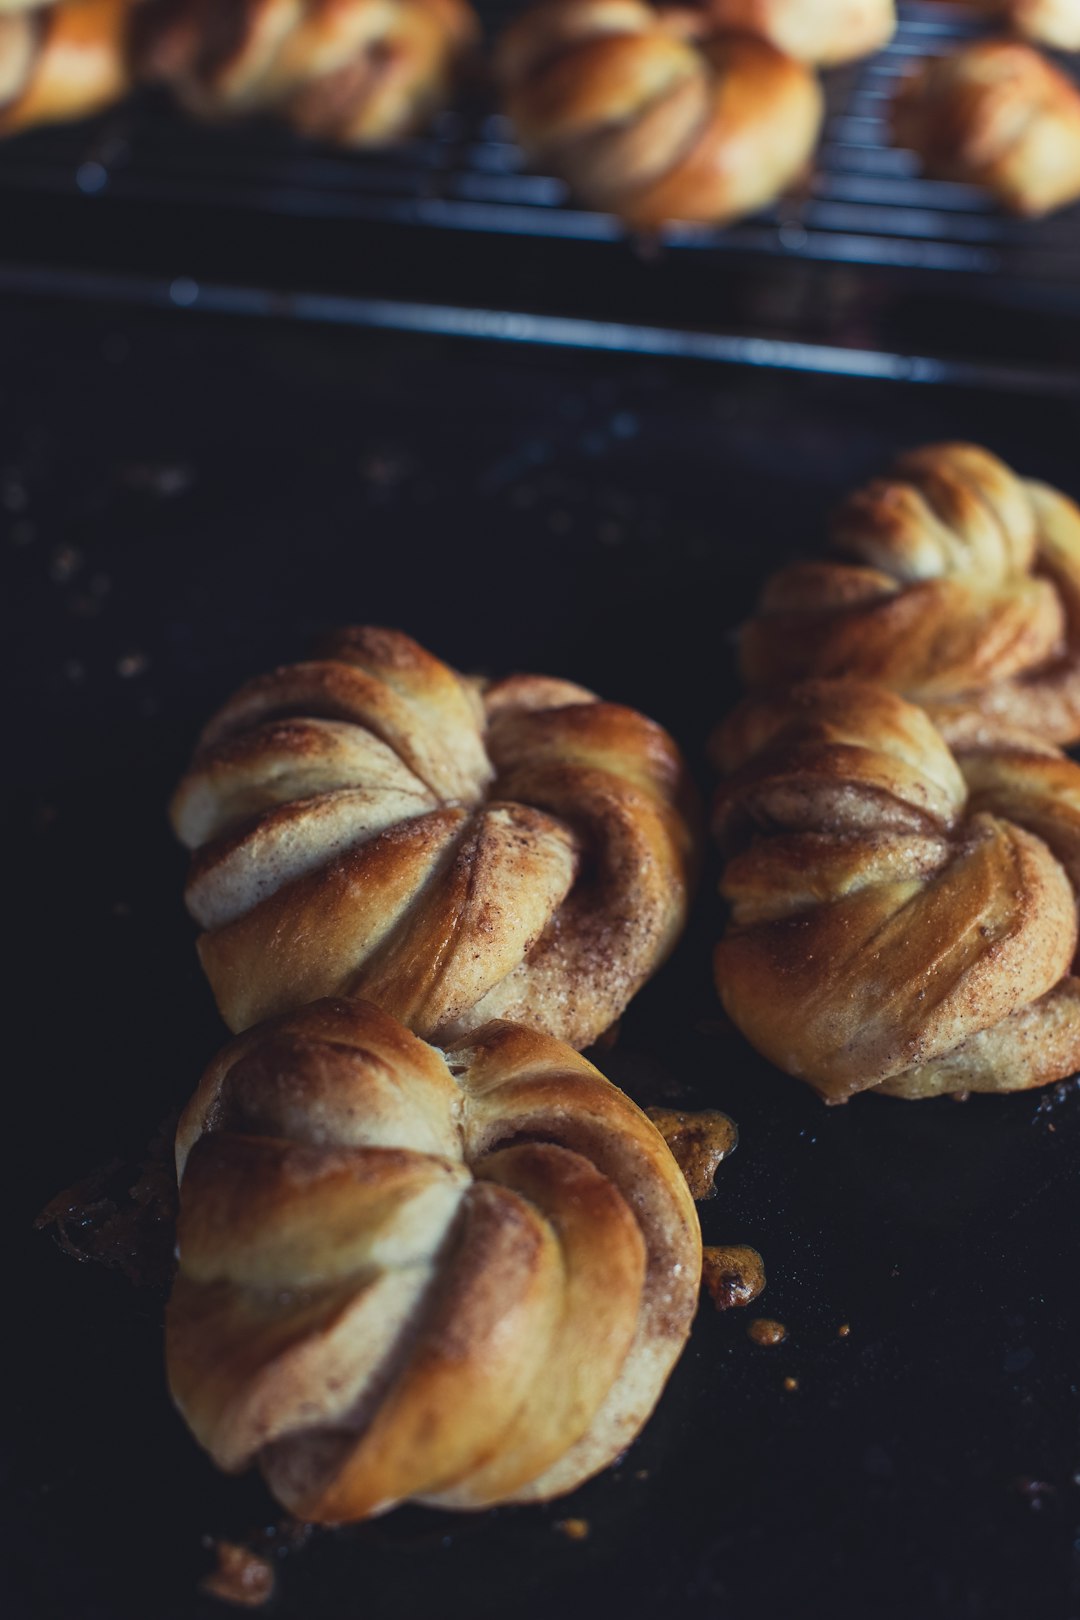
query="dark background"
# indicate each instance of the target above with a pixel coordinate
(186, 500)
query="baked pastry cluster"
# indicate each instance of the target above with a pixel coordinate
(657, 114)
(699, 113)
(61, 62)
(903, 917)
(900, 835)
(995, 114)
(371, 823)
(457, 1277)
(427, 1253)
(460, 1273)
(354, 72)
(953, 581)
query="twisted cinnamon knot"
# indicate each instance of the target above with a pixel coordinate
(823, 31)
(356, 72)
(62, 62)
(373, 824)
(654, 115)
(995, 114)
(901, 919)
(461, 1278)
(955, 582)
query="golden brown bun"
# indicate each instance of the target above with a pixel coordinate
(901, 919)
(826, 32)
(373, 824)
(954, 582)
(1048, 22)
(649, 117)
(459, 1278)
(995, 114)
(65, 62)
(356, 72)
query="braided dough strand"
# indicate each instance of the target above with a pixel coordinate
(901, 919)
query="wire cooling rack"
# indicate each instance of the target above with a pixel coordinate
(865, 203)
(98, 195)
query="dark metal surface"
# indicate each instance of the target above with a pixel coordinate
(867, 256)
(185, 500)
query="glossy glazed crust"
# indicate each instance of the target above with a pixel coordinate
(356, 72)
(460, 1277)
(952, 581)
(902, 920)
(825, 32)
(371, 823)
(995, 114)
(654, 115)
(65, 62)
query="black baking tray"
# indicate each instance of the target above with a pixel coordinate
(187, 499)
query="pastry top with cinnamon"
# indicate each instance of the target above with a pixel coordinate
(657, 114)
(903, 917)
(998, 114)
(372, 823)
(459, 1277)
(952, 580)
